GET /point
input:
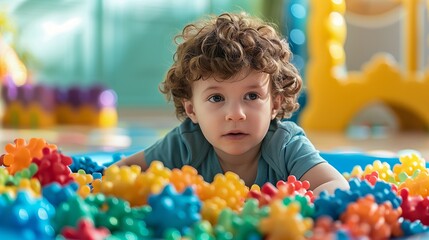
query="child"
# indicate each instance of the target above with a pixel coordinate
(231, 82)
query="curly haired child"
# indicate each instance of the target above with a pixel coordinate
(232, 84)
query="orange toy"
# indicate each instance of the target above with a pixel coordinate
(365, 218)
(19, 155)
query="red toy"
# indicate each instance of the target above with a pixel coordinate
(85, 231)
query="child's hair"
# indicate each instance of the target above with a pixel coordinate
(224, 45)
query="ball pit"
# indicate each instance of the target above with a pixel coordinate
(45, 194)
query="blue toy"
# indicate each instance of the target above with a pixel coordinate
(334, 205)
(27, 217)
(87, 164)
(414, 228)
(57, 194)
(172, 210)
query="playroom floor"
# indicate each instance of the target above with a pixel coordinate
(139, 128)
(135, 129)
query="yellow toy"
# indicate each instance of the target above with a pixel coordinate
(285, 222)
(335, 96)
(37, 106)
(32, 115)
(86, 115)
(34, 106)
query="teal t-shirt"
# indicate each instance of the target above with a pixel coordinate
(285, 151)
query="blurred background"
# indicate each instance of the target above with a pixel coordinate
(127, 46)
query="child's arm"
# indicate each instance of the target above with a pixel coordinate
(135, 159)
(322, 177)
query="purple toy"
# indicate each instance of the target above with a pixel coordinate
(45, 97)
(9, 90)
(100, 97)
(76, 97)
(25, 94)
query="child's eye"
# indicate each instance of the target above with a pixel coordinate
(216, 98)
(251, 96)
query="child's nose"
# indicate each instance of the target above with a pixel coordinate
(235, 112)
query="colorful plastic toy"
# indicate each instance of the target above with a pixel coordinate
(53, 167)
(328, 81)
(116, 215)
(70, 212)
(240, 226)
(181, 210)
(57, 194)
(84, 182)
(39, 106)
(366, 218)
(200, 230)
(418, 185)
(414, 207)
(20, 154)
(292, 187)
(87, 164)
(94, 106)
(7, 179)
(414, 228)
(85, 231)
(325, 228)
(27, 215)
(131, 184)
(409, 165)
(130, 204)
(231, 189)
(28, 106)
(188, 176)
(22, 180)
(212, 208)
(285, 222)
(305, 204)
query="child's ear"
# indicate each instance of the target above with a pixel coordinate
(189, 109)
(277, 102)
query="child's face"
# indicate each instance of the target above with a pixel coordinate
(234, 115)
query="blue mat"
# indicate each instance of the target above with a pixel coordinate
(342, 161)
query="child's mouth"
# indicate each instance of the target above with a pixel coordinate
(237, 135)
